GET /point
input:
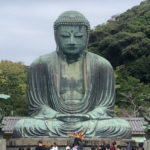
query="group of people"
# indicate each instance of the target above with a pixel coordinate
(48, 146)
(105, 146)
(78, 145)
(114, 146)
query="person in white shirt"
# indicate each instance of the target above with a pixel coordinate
(68, 148)
(54, 147)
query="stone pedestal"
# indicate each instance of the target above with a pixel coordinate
(147, 145)
(2, 144)
(88, 143)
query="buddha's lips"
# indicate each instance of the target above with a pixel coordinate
(71, 47)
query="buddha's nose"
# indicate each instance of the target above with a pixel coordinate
(72, 41)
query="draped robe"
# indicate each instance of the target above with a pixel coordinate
(45, 102)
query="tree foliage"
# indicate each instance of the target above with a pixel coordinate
(125, 41)
(13, 82)
(131, 93)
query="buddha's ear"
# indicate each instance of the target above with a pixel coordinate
(55, 35)
(56, 40)
(87, 38)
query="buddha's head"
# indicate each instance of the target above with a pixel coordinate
(71, 33)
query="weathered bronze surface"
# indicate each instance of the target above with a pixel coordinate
(71, 89)
(2, 96)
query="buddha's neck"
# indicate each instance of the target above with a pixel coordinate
(71, 58)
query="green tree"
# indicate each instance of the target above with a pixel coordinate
(13, 82)
(125, 40)
(131, 93)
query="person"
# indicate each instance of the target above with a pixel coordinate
(55, 147)
(128, 146)
(99, 147)
(141, 146)
(108, 147)
(40, 146)
(67, 147)
(78, 141)
(71, 89)
(48, 146)
(118, 147)
(113, 146)
(93, 148)
(75, 147)
(103, 145)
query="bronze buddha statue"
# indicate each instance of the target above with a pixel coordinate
(71, 89)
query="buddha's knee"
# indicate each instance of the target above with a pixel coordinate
(113, 128)
(17, 132)
(113, 123)
(29, 128)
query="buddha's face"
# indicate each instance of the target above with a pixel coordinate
(71, 39)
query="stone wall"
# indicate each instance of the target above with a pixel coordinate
(147, 145)
(2, 144)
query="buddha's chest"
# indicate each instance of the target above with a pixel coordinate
(71, 81)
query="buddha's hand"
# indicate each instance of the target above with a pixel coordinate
(46, 113)
(99, 113)
(79, 117)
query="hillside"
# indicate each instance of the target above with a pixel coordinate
(125, 41)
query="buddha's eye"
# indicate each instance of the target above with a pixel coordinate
(65, 34)
(78, 34)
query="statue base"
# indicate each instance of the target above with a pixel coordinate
(2, 144)
(88, 143)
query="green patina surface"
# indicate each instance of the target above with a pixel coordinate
(71, 89)
(2, 96)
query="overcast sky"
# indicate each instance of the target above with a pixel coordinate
(26, 26)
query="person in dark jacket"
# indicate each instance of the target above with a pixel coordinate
(108, 147)
(78, 141)
(141, 146)
(103, 145)
(118, 147)
(40, 146)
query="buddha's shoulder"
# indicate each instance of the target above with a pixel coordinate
(44, 59)
(98, 59)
